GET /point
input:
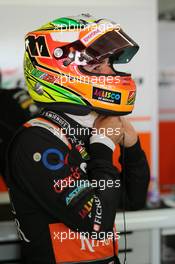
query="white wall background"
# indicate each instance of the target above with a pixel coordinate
(167, 70)
(137, 17)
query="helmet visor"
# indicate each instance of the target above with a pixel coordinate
(114, 43)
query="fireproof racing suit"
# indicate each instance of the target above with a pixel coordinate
(16, 107)
(65, 191)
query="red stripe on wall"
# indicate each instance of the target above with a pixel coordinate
(3, 187)
(166, 153)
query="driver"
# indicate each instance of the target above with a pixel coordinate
(64, 187)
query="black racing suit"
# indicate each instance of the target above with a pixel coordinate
(16, 107)
(57, 187)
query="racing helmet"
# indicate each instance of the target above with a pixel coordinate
(56, 59)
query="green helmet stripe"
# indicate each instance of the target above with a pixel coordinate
(66, 21)
(61, 92)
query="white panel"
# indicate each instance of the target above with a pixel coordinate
(167, 71)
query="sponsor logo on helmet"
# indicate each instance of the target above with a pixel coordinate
(90, 36)
(37, 46)
(106, 96)
(131, 97)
